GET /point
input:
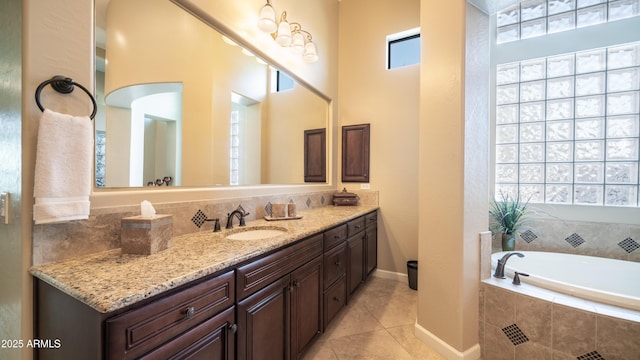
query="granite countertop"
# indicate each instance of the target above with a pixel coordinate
(109, 280)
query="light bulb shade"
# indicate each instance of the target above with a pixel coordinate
(267, 21)
(310, 52)
(284, 34)
(297, 43)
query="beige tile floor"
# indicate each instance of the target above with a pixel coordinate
(378, 323)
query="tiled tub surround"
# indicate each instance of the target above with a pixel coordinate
(101, 232)
(109, 281)
(526, 322)
(616, 241)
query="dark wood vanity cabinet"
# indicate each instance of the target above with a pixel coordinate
(271, 307)
(336, 262)
(357, 242)
(188, 322)
(371, 242)
(362, 246)
(350, 257)
(280, 319)
(171, 321)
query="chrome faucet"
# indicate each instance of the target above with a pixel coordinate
(502, 263)
(240, 214)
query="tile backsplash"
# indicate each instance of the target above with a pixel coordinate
(617, 241)
(101, 232)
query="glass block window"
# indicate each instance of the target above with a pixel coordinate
(234, 151)
(533, 18)
(101, 146)
(568, 127)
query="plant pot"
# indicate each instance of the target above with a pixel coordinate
(508, 242)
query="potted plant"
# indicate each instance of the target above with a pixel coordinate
(507, 216)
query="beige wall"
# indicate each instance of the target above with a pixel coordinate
(388, 100)
(285, 121)
(454, 132)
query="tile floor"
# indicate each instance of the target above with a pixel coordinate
(378, 323)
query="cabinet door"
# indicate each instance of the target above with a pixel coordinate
(264, 323)
(212, 340)
(355, 268)
(315, 155)
(306, 306)
(355, 153)
(371, 260)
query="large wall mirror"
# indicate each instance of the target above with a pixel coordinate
(182, 105)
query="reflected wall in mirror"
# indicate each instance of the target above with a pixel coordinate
(179, 100)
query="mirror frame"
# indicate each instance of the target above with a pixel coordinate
(118, 196)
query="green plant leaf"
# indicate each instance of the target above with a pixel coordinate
(507, 213)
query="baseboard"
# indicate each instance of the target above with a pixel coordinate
(444, 349)
(384, 274)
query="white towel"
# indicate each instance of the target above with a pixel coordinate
(63, 168)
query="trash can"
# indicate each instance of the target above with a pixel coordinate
(412, 272)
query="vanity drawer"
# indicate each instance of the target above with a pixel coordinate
(355, 226)
(335, 298)
(371, 219)
(334, 236)
(335, 264)
(140, 330)
(260, 273)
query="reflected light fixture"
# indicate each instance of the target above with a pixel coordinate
(287, 34)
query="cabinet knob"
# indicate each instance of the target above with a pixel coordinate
(190, 312)
(233, 328)
(296, 283)
(335, 298)
(337, 263)
(357, 226)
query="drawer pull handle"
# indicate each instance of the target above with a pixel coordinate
(336, 236)
(190, 311)
(357, 226)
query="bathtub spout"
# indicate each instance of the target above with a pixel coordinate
(499, 273)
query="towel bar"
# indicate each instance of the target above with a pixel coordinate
(64, 85)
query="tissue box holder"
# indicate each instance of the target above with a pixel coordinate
(146, 236)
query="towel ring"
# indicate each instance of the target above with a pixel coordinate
(64, 85)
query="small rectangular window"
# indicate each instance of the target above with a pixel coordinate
(285, 82)
(403, 49)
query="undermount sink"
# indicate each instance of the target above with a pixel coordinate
(256, 233)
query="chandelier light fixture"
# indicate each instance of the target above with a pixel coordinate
(287, 34)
